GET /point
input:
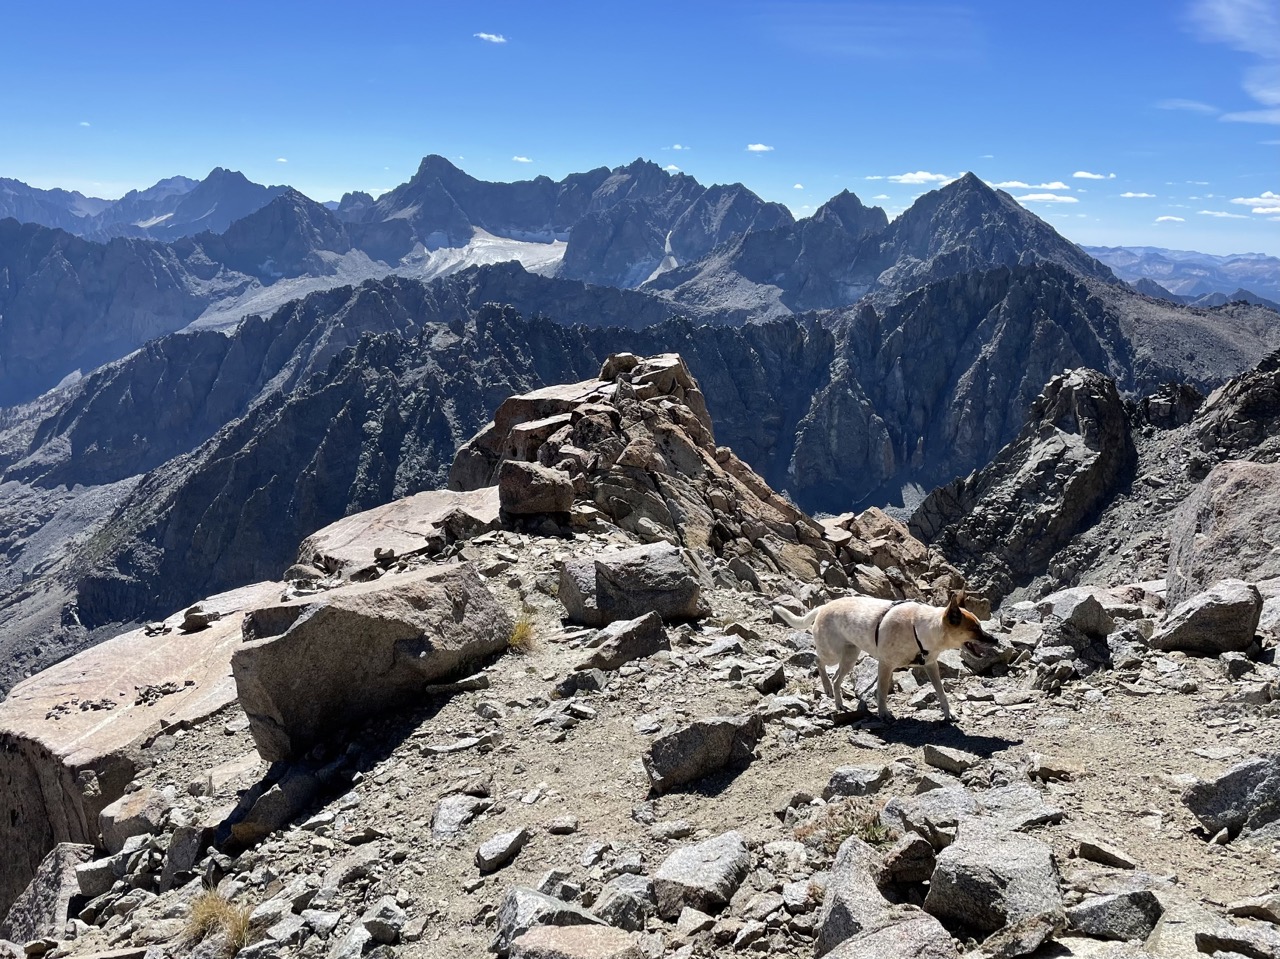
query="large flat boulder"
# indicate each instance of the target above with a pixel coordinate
(406, 527)
(1223, 530)
(1244, 800)
(989, 878)
(41, 910)
(524, 909)
(310, 666)
(70, 735)
(629, 583)
(919, 936)
(1218, 620)
(702, 876)
(852, 905)
(704, 746)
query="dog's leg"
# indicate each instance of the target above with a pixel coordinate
(848, 659)
(935, 677)
(882, 691)
(826, 681)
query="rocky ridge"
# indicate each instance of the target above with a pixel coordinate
(833, 410)
(524, 807)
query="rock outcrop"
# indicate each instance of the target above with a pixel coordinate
(70, 737)
(1004, 522)
(1241, 419)
(1222, 530)
(639, 447)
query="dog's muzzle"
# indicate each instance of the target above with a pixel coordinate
(982, 647)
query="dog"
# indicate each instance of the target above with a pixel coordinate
(895, 634)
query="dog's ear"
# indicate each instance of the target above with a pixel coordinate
(954, 607)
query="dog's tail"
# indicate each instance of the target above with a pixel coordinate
(794, 621)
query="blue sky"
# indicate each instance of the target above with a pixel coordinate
(1172, 106)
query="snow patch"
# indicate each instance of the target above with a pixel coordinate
(154, 221)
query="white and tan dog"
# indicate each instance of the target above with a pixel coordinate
(895, 634)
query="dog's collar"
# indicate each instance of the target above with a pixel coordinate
(923, 656)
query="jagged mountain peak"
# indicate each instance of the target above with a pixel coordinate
(434, 166)
(847, 211)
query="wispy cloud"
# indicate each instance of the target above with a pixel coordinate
(881, 196)
(520, 159)
(1189, 106)
(1130, 195)
(759, 148)
(1268, 202)
(84, 123)
(671, 168)
(877, 30)
(1019, 185)
(1253, 27)
(1086, 175)
(1223, 214)
(1046, 198)
(920, 176)
(798, 186)
(282, 160)
(490, 37)
(1170, 219)
(678, 146)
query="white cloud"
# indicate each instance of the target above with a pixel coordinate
(759, 148)
(671, 168)
(921, 176)
(1086, 175)
(1130, 195)
(1190, 106)
(798, 186)
(1268, 202)
(1170, 219)
(1223, 214)
(1019, 185)
(1046, 198)
(680, 146)
(873, 178)
(520, 159)
(988, 156)
(281, 160)
(84, 123)
(490, 37)
(881, 196)
(1253, 27)
(1198, 182)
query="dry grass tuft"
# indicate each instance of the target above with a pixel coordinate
(837, 821)
(523, 640)
(213, 913)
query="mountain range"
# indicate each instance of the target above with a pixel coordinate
(243, 387)
(70, 303)
(1184, 276)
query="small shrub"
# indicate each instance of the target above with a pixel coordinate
(213, 913)
(523, 640)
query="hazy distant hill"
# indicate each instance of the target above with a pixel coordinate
(175, 207)
(1189, 274)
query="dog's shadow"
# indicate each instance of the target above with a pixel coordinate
(909, 731)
